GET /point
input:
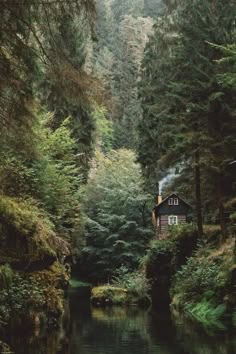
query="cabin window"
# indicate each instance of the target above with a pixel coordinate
(176, 201)
(173, 220)
(170, 201)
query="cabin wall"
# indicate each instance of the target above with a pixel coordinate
(163, 226)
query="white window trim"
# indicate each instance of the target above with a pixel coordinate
(176, 201)
(170, 201)
(170, 221)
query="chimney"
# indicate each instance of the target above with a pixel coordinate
(159, 199)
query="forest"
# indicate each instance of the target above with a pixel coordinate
(104, 105)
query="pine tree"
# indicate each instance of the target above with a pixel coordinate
(187, 112)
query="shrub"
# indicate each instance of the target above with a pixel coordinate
(6, 276)
(198, 276)
(135, 283)
(158, 249)
(107, 295)
(33, 293)
(207, 313)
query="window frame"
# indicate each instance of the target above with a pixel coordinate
(175, 220)
(170, 201)
(176, 201)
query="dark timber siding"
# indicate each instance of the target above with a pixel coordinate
(163, 227)
(162, 211)
(165, 209)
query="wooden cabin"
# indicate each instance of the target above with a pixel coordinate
(173, 210)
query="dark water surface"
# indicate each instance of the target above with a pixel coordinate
(118, 330)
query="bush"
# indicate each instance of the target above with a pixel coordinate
(197, 277)
(6, 276)
(135, 283)
(175, 250)
(37, 292)
(109, 295)
(207, 313)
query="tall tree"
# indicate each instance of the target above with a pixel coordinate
(188, 113)
(117, 215)
(123, 30)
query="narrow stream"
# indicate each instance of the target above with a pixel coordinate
(117, 330)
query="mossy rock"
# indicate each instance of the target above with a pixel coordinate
(109, 295)
(56, 276)
(27, 239)
(35, 298)
(16, 215)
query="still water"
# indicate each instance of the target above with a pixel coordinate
(117, 330)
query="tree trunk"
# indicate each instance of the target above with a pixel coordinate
(221, 212)
(198, 194)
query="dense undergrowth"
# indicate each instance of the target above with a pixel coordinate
(31, 277)
(197, 278)
(163, 259)
(32, 299)
(204, 288)
(126, 289)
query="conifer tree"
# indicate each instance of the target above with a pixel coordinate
(188, 115)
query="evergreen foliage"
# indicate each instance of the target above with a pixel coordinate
(68, 89)
(123, 30)
(188, 111)
(118, 223)
(46, 143)
(44, 156)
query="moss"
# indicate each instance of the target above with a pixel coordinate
(17, 215)
(52, 282)
(35, 298)
(27, 236)
(34, 281)
(56, 276)
(109, 295)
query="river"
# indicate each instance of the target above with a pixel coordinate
(118, 330)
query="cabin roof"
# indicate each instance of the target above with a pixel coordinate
(171, 196)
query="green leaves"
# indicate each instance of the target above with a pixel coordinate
(118, 212)
(188, 91)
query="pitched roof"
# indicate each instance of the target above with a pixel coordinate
(171, 196)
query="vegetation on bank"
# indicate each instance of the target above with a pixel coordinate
(196, 277)
(126, 289)
(70, 188)
(45, 129)
(208, 295)
(33, 298)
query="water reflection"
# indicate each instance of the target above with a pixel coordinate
(117, 330)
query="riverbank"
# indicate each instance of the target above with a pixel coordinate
(197, 278)
(128, 330)
(32, 279)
